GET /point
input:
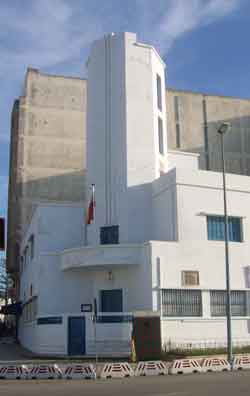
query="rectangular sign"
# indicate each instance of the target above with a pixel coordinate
(86, 307)
(50, 320)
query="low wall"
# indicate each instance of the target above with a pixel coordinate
(203, 333)
(52, 339)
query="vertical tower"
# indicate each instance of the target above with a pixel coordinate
(126, 135)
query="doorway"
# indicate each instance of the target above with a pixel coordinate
(76, 335)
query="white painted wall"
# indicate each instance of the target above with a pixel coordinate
(122, 132)
(55, 227)
(184, 160)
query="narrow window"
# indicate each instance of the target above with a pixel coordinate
(216, 228)
(159, 92)
(177, 302)
(160, 136)
(32, 246)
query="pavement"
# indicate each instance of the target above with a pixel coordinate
(212, 384)
(11, 351)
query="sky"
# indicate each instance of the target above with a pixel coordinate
(203, 42)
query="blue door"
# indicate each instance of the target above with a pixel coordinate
(76, 335)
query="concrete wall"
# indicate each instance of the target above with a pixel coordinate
(199, 116)
(47, 149)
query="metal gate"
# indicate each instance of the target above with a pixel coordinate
(147, 337)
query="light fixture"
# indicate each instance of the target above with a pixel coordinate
(225, 126)
(110, 276)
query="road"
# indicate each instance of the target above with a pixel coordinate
(221, 384)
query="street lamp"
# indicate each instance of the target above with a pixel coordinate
(225, 126)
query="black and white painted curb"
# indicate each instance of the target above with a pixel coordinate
(82, 371)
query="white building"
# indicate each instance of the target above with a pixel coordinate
(156, 244)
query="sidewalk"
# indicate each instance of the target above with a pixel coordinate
(13, 351)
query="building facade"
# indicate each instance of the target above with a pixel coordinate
(156, 245)
(47, 161)
(48, 143)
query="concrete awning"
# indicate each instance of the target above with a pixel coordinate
(101, 256)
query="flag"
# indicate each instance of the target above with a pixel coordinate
(91, 207)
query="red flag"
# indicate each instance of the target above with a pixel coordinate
(91, 208)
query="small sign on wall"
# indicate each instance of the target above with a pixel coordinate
(86, 307)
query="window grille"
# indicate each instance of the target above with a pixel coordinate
(177, 302)
(190, 278)
(216, 228)
(218, 301)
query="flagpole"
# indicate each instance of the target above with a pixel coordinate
(87, 221)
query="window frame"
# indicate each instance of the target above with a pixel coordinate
(181, 299)
(101, 294)
(185, 273)
(159, 91)
(160, 136)
(218, 233)
(222, 303)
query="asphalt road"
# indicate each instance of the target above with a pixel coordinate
(221, 384)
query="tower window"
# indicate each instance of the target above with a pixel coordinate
(160, 136)
(159, 92)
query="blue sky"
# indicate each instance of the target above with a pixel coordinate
(204, 44)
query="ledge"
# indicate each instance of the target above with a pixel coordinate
(101, 256)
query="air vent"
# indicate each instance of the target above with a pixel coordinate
(190, 278)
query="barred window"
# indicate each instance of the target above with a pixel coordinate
(177, 302)
(218, 301)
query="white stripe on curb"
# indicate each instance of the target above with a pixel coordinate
(79, 371)
(241, 362)
(117, 370)
(13, 372)
(151, 368)
(44, 371)
(214, 364)
(185, 366)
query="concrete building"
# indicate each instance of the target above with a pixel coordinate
(47, 150)
(156, 245)
(192, 122)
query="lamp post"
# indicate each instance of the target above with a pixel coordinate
(225, 126)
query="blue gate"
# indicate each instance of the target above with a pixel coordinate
(76, 335)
